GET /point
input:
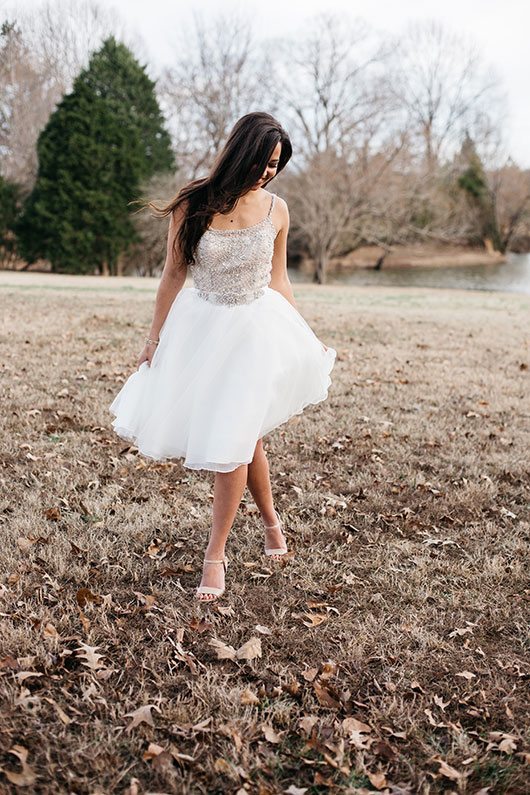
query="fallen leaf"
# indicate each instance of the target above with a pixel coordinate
(329, 669)
(506, 743)
(359, 740)
(148, 600)
(85, 595)
(92, 658)
(315, 619)
(22, 675)
(307, 722)
(507, 746)
(9, 663)
(28, 776)
(325, 697)
(248, 697)
(54, 514)
(199, 727)
(377, 780)
(309, 674)
(438, 700)
(461, 631)
(383, 749)
(152, 751)
(60, 712)
(141, 715)
(50, 632)
(24, 544)
(467, 675)
(448, 771)
(249, 650)
(26, 700)
(352, 724)
(222, 766)
(223, 651)
(432, 720)
(270, 734)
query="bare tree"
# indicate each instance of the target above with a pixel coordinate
(63, 34)
(330, 84)
(146, 257)
(439, 80)
(511, 190)
(341, 119)
(26, 100)
(339, 204)
(216, 78)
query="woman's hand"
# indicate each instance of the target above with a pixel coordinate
(146, 355)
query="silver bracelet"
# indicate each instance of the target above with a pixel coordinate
(153, 342)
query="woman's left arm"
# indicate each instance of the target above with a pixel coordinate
(279, 276)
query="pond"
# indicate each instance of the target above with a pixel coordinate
(511, 276)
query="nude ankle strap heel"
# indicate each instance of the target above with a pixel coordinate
(210, 589)
(278, 550)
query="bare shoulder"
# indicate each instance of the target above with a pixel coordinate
(280, 202)
(179, 213)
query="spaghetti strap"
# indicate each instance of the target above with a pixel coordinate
(272, 205)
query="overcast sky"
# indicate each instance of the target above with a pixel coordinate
(500, 29)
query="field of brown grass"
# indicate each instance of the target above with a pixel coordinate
(388, 654)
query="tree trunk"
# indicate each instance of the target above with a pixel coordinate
(319, 276)
(120, 264)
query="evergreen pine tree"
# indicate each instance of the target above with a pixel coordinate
(100, 142)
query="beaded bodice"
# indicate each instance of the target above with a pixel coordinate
(233, 266)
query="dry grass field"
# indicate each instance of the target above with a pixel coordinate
(387, 654)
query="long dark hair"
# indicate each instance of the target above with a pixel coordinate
(236, 169)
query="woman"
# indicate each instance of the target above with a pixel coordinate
(230, 358)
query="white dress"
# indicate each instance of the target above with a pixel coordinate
(235, 360)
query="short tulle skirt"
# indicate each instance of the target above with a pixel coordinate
(221, 377)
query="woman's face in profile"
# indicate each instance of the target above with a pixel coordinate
(272, 167)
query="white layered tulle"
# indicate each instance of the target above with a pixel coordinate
(220, 379)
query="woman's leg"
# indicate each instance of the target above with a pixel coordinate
(227, 493)
(259, 485)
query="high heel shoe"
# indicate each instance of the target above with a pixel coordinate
(277, 550)
(210, 589)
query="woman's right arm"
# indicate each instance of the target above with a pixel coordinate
(171, 282)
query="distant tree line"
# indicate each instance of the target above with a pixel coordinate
(395, 140)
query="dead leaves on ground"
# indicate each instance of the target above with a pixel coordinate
(338, 733)
(248, 651)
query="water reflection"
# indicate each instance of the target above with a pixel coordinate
(511, 276)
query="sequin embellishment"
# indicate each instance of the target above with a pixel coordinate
(233, 266)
